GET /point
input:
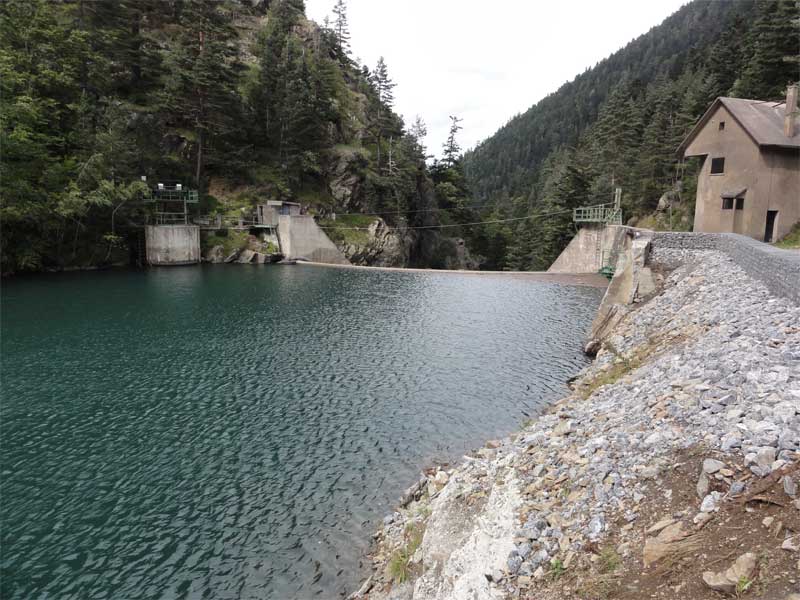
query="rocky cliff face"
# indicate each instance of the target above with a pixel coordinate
(376, 245)
(671, 466)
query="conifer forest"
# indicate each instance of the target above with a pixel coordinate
(246, 100)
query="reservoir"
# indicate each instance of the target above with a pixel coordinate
(239, 432)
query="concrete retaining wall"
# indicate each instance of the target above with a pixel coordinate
(172, 244)
(777, 269)
(582, 256)
(301, 237)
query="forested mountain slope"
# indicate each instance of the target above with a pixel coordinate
(248, 100)
(245, 100)
(620, 122)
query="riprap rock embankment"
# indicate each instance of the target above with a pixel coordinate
(670, 471)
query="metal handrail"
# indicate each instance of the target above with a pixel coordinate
(171, 195)
(221, 221)
(170, 218)
(597, 214)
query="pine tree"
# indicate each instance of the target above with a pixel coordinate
(383, 119)
(276, 51)
(43, 82)
(341, 29)
(204, 72)
(451, 151)
(724, 62)
(383, 84)
(417, 135)
(774, 60)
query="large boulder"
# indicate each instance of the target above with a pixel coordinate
(670, 198)
(216, 254)
(740, 573)
(246, 256)
(383, 247)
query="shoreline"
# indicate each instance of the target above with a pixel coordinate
(584, 279)
(599, 492)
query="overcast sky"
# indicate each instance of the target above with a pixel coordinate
(486, 61)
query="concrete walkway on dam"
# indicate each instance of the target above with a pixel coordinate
(584, 279)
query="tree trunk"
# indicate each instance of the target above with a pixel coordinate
(75, 239)
(199, 169)
(136, 66)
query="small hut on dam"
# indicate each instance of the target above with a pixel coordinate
(170, 237)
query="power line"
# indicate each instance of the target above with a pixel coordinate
(408, 212)
(422, 210)
(559, 212)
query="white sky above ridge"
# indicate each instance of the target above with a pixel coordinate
(487, 61)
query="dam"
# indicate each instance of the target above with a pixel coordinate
(173, 236)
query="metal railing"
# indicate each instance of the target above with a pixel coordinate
(597, 214)
(224, 222)
(170, 195)
(170, 218)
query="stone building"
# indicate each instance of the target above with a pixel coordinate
(750, 179)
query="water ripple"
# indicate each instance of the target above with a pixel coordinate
(237, 432)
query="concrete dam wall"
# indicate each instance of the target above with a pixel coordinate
(172, 244)
(301, 238)
(586, 251)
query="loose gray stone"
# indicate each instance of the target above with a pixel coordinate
(737, 487)
(789, 486)
(711, 466)
(523, 550)
(514, 562)
(711, 502)
(539, 557)
(702, 485)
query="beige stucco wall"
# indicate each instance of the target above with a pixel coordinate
(772, 179)
(781, 184)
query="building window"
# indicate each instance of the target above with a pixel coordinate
(727, 203)
(740, 204)
(722, 125)
(717, 166)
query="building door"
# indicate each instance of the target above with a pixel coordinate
(772, 215)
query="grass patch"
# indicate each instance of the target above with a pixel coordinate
(596, 588)
(557, 570)
(682, 219)
(619, 368)
(423, 510)
(399, 567)
(791, 241)
(609, 560)
(744, 584)
(230, 241)
(342, 230)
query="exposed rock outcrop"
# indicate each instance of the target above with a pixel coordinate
(346, 178)
(382, 246)
(215, 254)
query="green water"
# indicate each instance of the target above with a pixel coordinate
(237, 432)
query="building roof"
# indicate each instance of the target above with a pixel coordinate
(735, 193)
(281, 203)
(761, 119)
